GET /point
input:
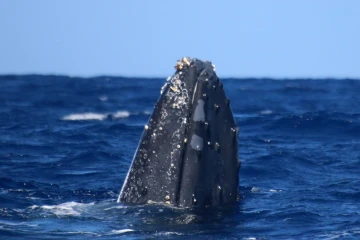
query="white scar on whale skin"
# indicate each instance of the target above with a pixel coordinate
(199, 114)
(196, 142)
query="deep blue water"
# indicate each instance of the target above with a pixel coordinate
(66, 145)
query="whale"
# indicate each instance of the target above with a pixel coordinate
(188, 153)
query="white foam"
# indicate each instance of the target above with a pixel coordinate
(266, 112)
(122, 231)
(85, 233)
(346, 234)
(95, 116)
(85, 116)
(244, 115)
(103, 98)
(17, 224)
(255, 189)
(274, 190)
(121, 114)
(168, 233)
(147, 112)
(117, 207)
(65, 209)
(2, 191)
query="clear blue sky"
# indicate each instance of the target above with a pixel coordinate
(274, 38)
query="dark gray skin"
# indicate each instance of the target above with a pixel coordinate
(188, 153)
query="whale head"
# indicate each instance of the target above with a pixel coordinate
(188, 153)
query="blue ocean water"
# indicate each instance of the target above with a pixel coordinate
(66, 144)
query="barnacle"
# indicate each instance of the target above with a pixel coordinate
(175, 89)
(179, 65)
(186, 61)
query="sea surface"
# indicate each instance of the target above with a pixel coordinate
(66, 144)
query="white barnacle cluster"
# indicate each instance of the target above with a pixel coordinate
(174, 86)
(178, 92)
(185, 61)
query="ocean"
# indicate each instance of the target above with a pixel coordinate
(66, 144)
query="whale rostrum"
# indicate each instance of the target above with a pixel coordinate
(188, 152)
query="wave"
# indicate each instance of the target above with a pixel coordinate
(250, 115)
(122, 231)
(64, 209)
(95, 116)
(89, 116)
(319, 122)
(85, 116)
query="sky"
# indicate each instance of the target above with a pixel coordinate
(268, 38)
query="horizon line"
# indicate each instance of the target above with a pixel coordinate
(162, 77)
